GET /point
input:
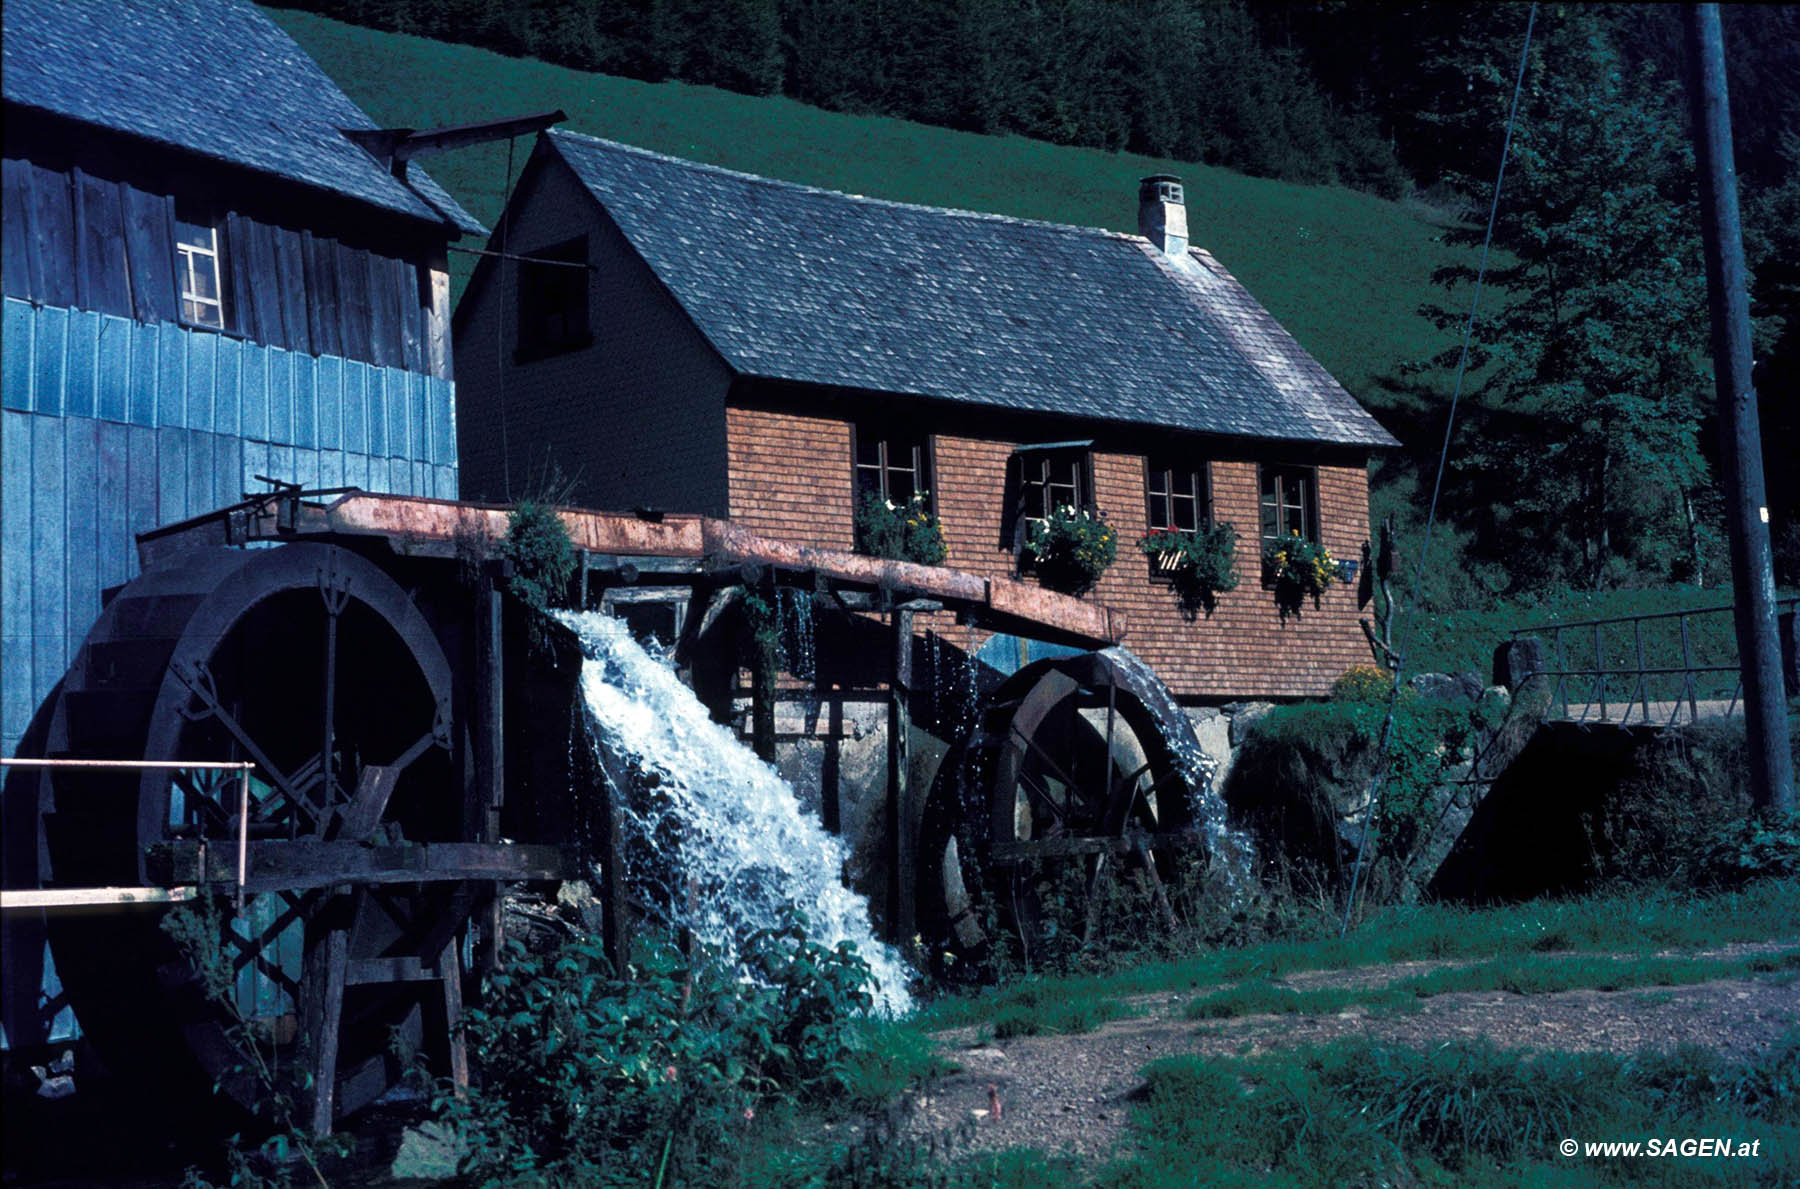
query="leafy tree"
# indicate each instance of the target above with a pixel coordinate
(1581, 459)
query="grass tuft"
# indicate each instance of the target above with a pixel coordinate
(1464, 1113)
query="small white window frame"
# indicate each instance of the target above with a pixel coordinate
(197, 310)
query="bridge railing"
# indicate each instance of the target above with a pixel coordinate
(1663, 667)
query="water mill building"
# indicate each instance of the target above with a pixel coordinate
(245, 551)
(749, 348)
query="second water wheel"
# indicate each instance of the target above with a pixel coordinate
(1071, 799)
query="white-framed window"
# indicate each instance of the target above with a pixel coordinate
(1290, 505)
(1177, 494)
(199, 273)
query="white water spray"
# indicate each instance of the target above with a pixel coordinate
(720, 838)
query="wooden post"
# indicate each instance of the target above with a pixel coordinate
(450, 972)
(490, 743)
(899, 761)
(762, 712)
(325, 962)
(1740, 435)
(831, 814)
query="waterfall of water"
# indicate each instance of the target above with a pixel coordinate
(794, 617)
(716, 841)
(1231, 850)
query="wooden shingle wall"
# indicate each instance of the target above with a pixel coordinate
(790, 478)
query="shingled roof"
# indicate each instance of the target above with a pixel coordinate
(217, 78)
(794, 283)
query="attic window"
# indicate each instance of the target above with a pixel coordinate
(198, 255)
(553, 301)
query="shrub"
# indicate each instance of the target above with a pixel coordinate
(591, 1078)
(1682, 815)
(902, 532)
(1070, 549)
(542, 555)
(1364, 684)
(1303, 774)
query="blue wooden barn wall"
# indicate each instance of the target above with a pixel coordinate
(109, 427)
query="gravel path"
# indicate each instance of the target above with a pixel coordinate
(1072, 1094)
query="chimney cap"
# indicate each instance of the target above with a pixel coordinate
(1160, 187)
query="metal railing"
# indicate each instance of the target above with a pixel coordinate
(1684, 668)
(23, 898)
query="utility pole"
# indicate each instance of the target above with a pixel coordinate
(1746, 497)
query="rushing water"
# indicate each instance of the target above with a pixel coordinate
(716, 841)
(1230, 850)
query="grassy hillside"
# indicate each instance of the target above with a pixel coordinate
(1345, 272)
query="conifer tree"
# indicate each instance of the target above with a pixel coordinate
(1581, 460)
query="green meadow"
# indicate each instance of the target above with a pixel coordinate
(1345, 272)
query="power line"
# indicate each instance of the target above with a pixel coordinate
(1437, 486)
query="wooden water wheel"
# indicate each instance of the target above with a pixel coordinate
(1072, 797)
(363, 848)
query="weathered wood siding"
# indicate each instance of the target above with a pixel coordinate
(109, 427)
(790, 476)
(75, 240)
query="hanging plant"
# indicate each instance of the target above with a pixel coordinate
(1298, 568)
(1200, 564)
(1070, 549)
(542, 554)
(903, 532)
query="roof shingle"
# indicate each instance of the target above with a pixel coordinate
(795, 283)
(215, 77)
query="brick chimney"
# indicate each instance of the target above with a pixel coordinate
(1162, 214)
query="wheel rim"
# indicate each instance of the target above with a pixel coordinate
(311, 662)
(1069, 753)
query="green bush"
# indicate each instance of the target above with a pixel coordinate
(901, 532)
(1365, 683)
(587, 1077)
(1305, 770)
(542, 554)
(1070, 548)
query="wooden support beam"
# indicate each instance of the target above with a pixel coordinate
(902, 846)
(374, 787)
(450, 972)
(762, 686)
(301, 863)
(40, 898)
(490, 747)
